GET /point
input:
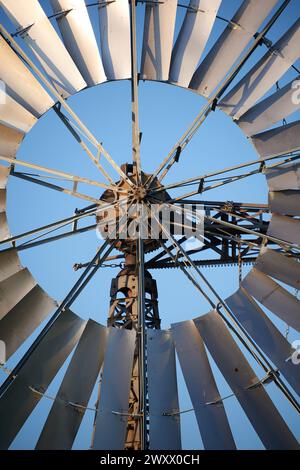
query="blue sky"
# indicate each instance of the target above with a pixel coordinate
(165, 113)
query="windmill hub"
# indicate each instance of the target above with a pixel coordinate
(132, 194)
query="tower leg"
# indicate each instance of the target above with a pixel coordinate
(123, 313)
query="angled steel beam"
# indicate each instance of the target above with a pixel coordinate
(202, 178)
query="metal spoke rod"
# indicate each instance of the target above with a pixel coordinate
(56, 187)
(33, 244)
(63, 103)
(86, 276)
(172, 157)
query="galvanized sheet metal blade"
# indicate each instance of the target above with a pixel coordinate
(285, 202)
(212, 420)
(21, 85)
(283, 177)
(14, 115)
(230, 45)
(192, 39)
(264, 74)
(13, 289)
(274, 297)
(279, 266)
(4, 174)
(267, 422)
(269, 111)
(115, 39)
(164, 431)
(285, 228)
(2, 200)
(19, 400)
(265, 335)
(79, 38)
(159, 29)
(63, 421)
(46, 45)
(9, 264)
(111, 420)
(18, 324)
(278, 141)
(4, 229)
(10, 140)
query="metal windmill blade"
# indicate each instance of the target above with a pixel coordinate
(55, 52)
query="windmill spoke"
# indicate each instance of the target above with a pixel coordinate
(96, 262)
(56, 224)
(134, 93)
(176, 151)
(142, 341)
(62, 101)
(64, 176)
(86, 276)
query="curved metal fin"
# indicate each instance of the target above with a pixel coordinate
(115, 38)
(278, 141)
(264, 74)
(159, 30)
(24, 318)
(79, 38)
(46, 45)
(265, 335)
(267, 422)
(230, 45)
(269, 111)
(164, 431)
(13, 289)
(64, 419)
(283, 177)
(285, 228)
(111, 420)
(19, 400)
(192, 38)
(21, 85)
(280, 267)
(212, 420)
(274, 297)
(285, 202)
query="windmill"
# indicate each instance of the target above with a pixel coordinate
(137, 406)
